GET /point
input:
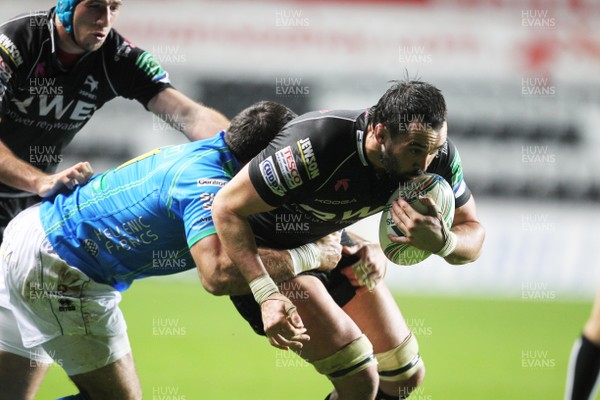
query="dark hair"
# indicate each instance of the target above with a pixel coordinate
(254, 127)
(406, 102)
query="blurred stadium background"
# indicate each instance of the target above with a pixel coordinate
(522, 83)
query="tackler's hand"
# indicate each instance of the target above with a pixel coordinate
(78, 174)
(370, 269)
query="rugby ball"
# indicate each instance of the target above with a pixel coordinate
(430, 185)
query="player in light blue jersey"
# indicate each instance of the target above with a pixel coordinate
(64, 262)
(129, 222)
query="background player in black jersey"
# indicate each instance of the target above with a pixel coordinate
(56, 69)
(327, 170)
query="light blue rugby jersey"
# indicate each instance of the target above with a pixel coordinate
(141, 218)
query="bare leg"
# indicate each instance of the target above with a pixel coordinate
(330, 330)
(20, 378)
(378, 316)
(117, 381)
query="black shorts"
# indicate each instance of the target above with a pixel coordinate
(335, 282)
(10, 207)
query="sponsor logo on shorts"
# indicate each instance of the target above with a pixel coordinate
(66, 305)
(11, 50)
(211, 182)
(288, 167)
(308, 157)
(90, 247)
(152, 68)
(269, 174)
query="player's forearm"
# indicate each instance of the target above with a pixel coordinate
(238, 242)
(202, 122)
(17, 173)
(278, 264)
(470, 241)
(185, 115)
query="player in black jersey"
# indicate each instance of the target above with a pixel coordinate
(57, 68)
(323, 172)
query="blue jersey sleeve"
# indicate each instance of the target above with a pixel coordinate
(193, 188)
(197, 217)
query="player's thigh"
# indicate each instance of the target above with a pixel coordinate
(329, 327)
(337, 347)
(118, 381)
(101, 367)
(20, 377)
(378, 316)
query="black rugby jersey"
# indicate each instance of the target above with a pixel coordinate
(317, 174)
(43, 105)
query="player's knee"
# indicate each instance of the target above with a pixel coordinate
(402, 367)
(354, 364)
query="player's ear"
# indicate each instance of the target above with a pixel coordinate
(380, 132)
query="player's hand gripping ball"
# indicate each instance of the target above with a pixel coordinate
(430, 185)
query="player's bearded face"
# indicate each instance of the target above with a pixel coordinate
(394, 170)
(92, 22)
(410, 154)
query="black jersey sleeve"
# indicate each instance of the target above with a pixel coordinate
(135, 72)
(299, 159)
(449, 165)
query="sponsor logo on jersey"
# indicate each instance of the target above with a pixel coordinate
(335, 202)
(40, 70)
(207, 200)
(288, 167)
(308, 157)
(342, 184)
(211, 182)
(4, 68)
(5, 75)
(269, 174)
(11, 50)
(80, 110)
(91, 82)
(124, 49)
(152, 68)
(343, 216)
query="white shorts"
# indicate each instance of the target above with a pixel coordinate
(52, 311)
